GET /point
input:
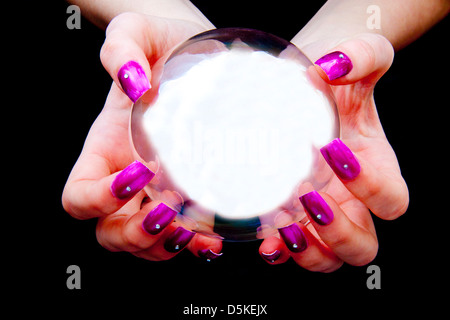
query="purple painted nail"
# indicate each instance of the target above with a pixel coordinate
(341, 159)
(131, 180)
(208, 254)
(317, 208)
(159, 218)
(294, 237)
(271, 257)
(179, 239)
(133, 80)
(335, 64)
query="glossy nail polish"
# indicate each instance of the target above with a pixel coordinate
(133, 80)
(341, 159)
(271, 257)
(131, 180)
(335, 64)
(208, 254)
(317, 208)
(294, 238)
(159, 218)
(178, 239)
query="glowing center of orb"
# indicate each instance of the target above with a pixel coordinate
(236, 130)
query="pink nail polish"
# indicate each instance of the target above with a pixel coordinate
(271, 257)
(131, 180)
(178, 239)
(294, 238)
(208, 254)
(159, 218)
(133, 80)
(341, 159)
(317, 208)
(335, 64)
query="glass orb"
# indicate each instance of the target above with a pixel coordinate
(232, 127)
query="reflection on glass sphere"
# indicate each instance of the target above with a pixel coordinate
(232, 127)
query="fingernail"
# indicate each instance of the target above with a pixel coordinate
(317, 208)
(271, 257)
(208, 254)
(178, 239)
(131, 180)
(341, 159)
(294, 237)
(335, 64)
(133, 80)
(159, 218)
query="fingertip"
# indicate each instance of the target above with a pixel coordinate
(133, 80)
(131, 180)
(208, 254)
(317, 208)
(274, 251)
(341, 160)
(206, 247)
(124, 55)
(334, 65)
(364, 56)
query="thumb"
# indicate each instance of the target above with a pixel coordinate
(124, 54)
(366, 56)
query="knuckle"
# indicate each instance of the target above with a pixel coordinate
(102, 239)
(368, 53)
(400, 206)
(395, 204)
(357, 250)
(313, 264)
(384, 46)
(69, 206)
(332, 267)
(109, 47)
(132, 239)
(372, 191)
(341, 240)
(317, 263)
(377, 52)
(324, 267)
(365, 256)
(121, 20)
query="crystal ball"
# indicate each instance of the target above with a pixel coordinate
(232, 128)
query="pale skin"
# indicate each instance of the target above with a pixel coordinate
(156, 27)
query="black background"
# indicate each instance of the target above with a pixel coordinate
(66, 89)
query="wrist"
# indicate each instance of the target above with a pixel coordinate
(400, 21)
(102, 12)
(335, 22)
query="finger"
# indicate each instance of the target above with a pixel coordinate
(307, 251)
(381, 189)
(365, 56)
(354, 243)
(135, 232)
(205, 247)
(274, 251)
(124, 54)
(92, 191)
(172, 241)
(88, 191)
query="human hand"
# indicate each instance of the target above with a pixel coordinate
(105, 183)
(367, 177)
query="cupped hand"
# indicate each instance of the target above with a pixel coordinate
(105, 182)
(367, 174)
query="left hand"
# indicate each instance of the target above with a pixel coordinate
(349, 234)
